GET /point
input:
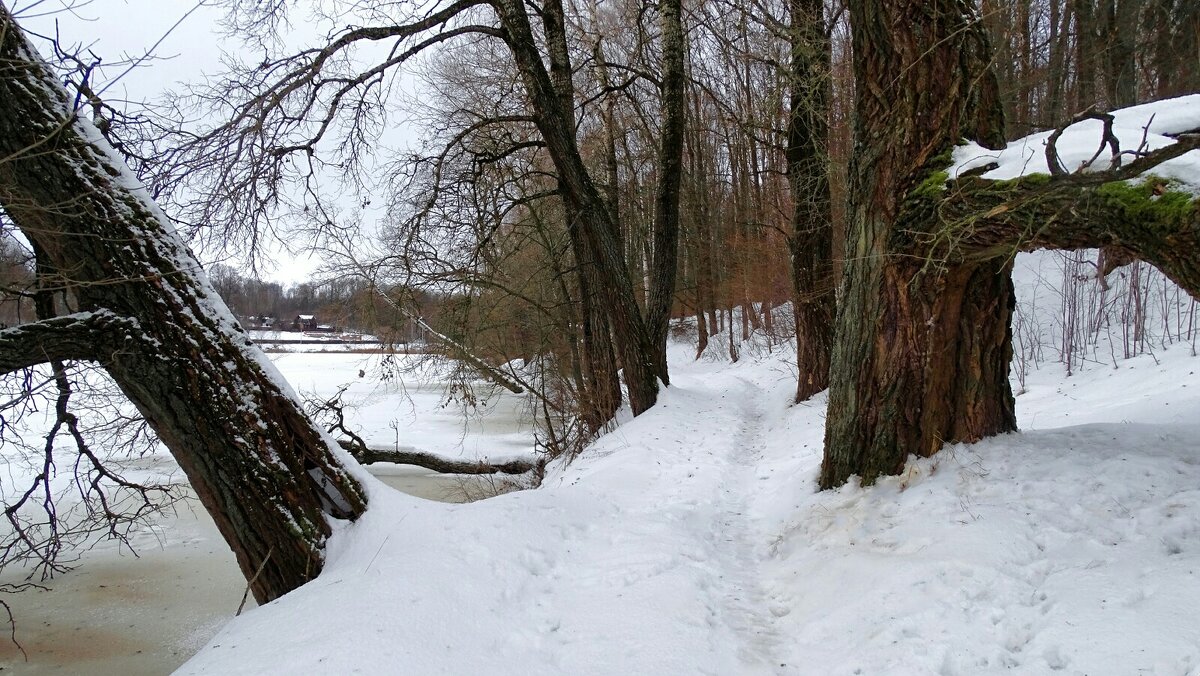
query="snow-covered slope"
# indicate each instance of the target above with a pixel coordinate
(692, 541)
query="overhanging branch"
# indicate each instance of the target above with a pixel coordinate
(980, 219)
(91, 336)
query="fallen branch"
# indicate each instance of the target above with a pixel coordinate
(368, 456)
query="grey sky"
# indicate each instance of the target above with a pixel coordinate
(119, 30)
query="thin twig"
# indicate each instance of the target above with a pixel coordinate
(252, 580)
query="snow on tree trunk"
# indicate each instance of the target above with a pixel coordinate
(271, 480)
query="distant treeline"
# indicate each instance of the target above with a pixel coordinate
(349, 304)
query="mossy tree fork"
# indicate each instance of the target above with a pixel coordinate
(923, 340)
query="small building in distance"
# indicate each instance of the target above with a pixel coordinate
(304, 323)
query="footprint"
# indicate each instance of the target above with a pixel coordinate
(1055, 659)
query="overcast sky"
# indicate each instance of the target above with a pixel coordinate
(118, 30)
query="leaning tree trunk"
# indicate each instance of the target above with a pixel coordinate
(269, 478)
(808, 177)
(600, 393)
(597, 228)
(921, 349)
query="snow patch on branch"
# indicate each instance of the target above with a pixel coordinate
(1141, 128)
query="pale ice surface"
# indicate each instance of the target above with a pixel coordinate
(413, 411)
(127, 614)
(692, 540)
(1148, 127)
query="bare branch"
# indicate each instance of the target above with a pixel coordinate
(91, 336)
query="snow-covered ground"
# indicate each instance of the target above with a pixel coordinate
(692, 540)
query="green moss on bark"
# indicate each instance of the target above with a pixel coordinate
(1026, 181)
(1151, 201)
(931, 187)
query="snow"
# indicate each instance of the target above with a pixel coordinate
(1154, 122)
(692, 540)
(411, 411)
(277, 339)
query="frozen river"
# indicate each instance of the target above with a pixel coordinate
(127, 615)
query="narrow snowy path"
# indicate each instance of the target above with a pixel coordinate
(740, 539)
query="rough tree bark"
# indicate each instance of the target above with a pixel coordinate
(600, 389)
(670, 176)
(923, 342)
(808, 176)
(600, 393)
(920, 353)
(148, 315)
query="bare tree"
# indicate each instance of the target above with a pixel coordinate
(290, 107)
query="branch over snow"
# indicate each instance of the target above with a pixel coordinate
(368, 456)
(1054, 163)
(90, 336)
(1127, 211)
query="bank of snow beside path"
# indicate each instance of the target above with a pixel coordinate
(692, 541)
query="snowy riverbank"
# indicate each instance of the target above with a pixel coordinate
(692, 541)
(118, 613)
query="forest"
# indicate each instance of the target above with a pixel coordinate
(557, 192)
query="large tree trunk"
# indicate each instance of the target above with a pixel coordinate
(1121, 24)
(670, 174)
(923, 343)
(921, 350)
(808, 176)
(601, 389)
(270, 479)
